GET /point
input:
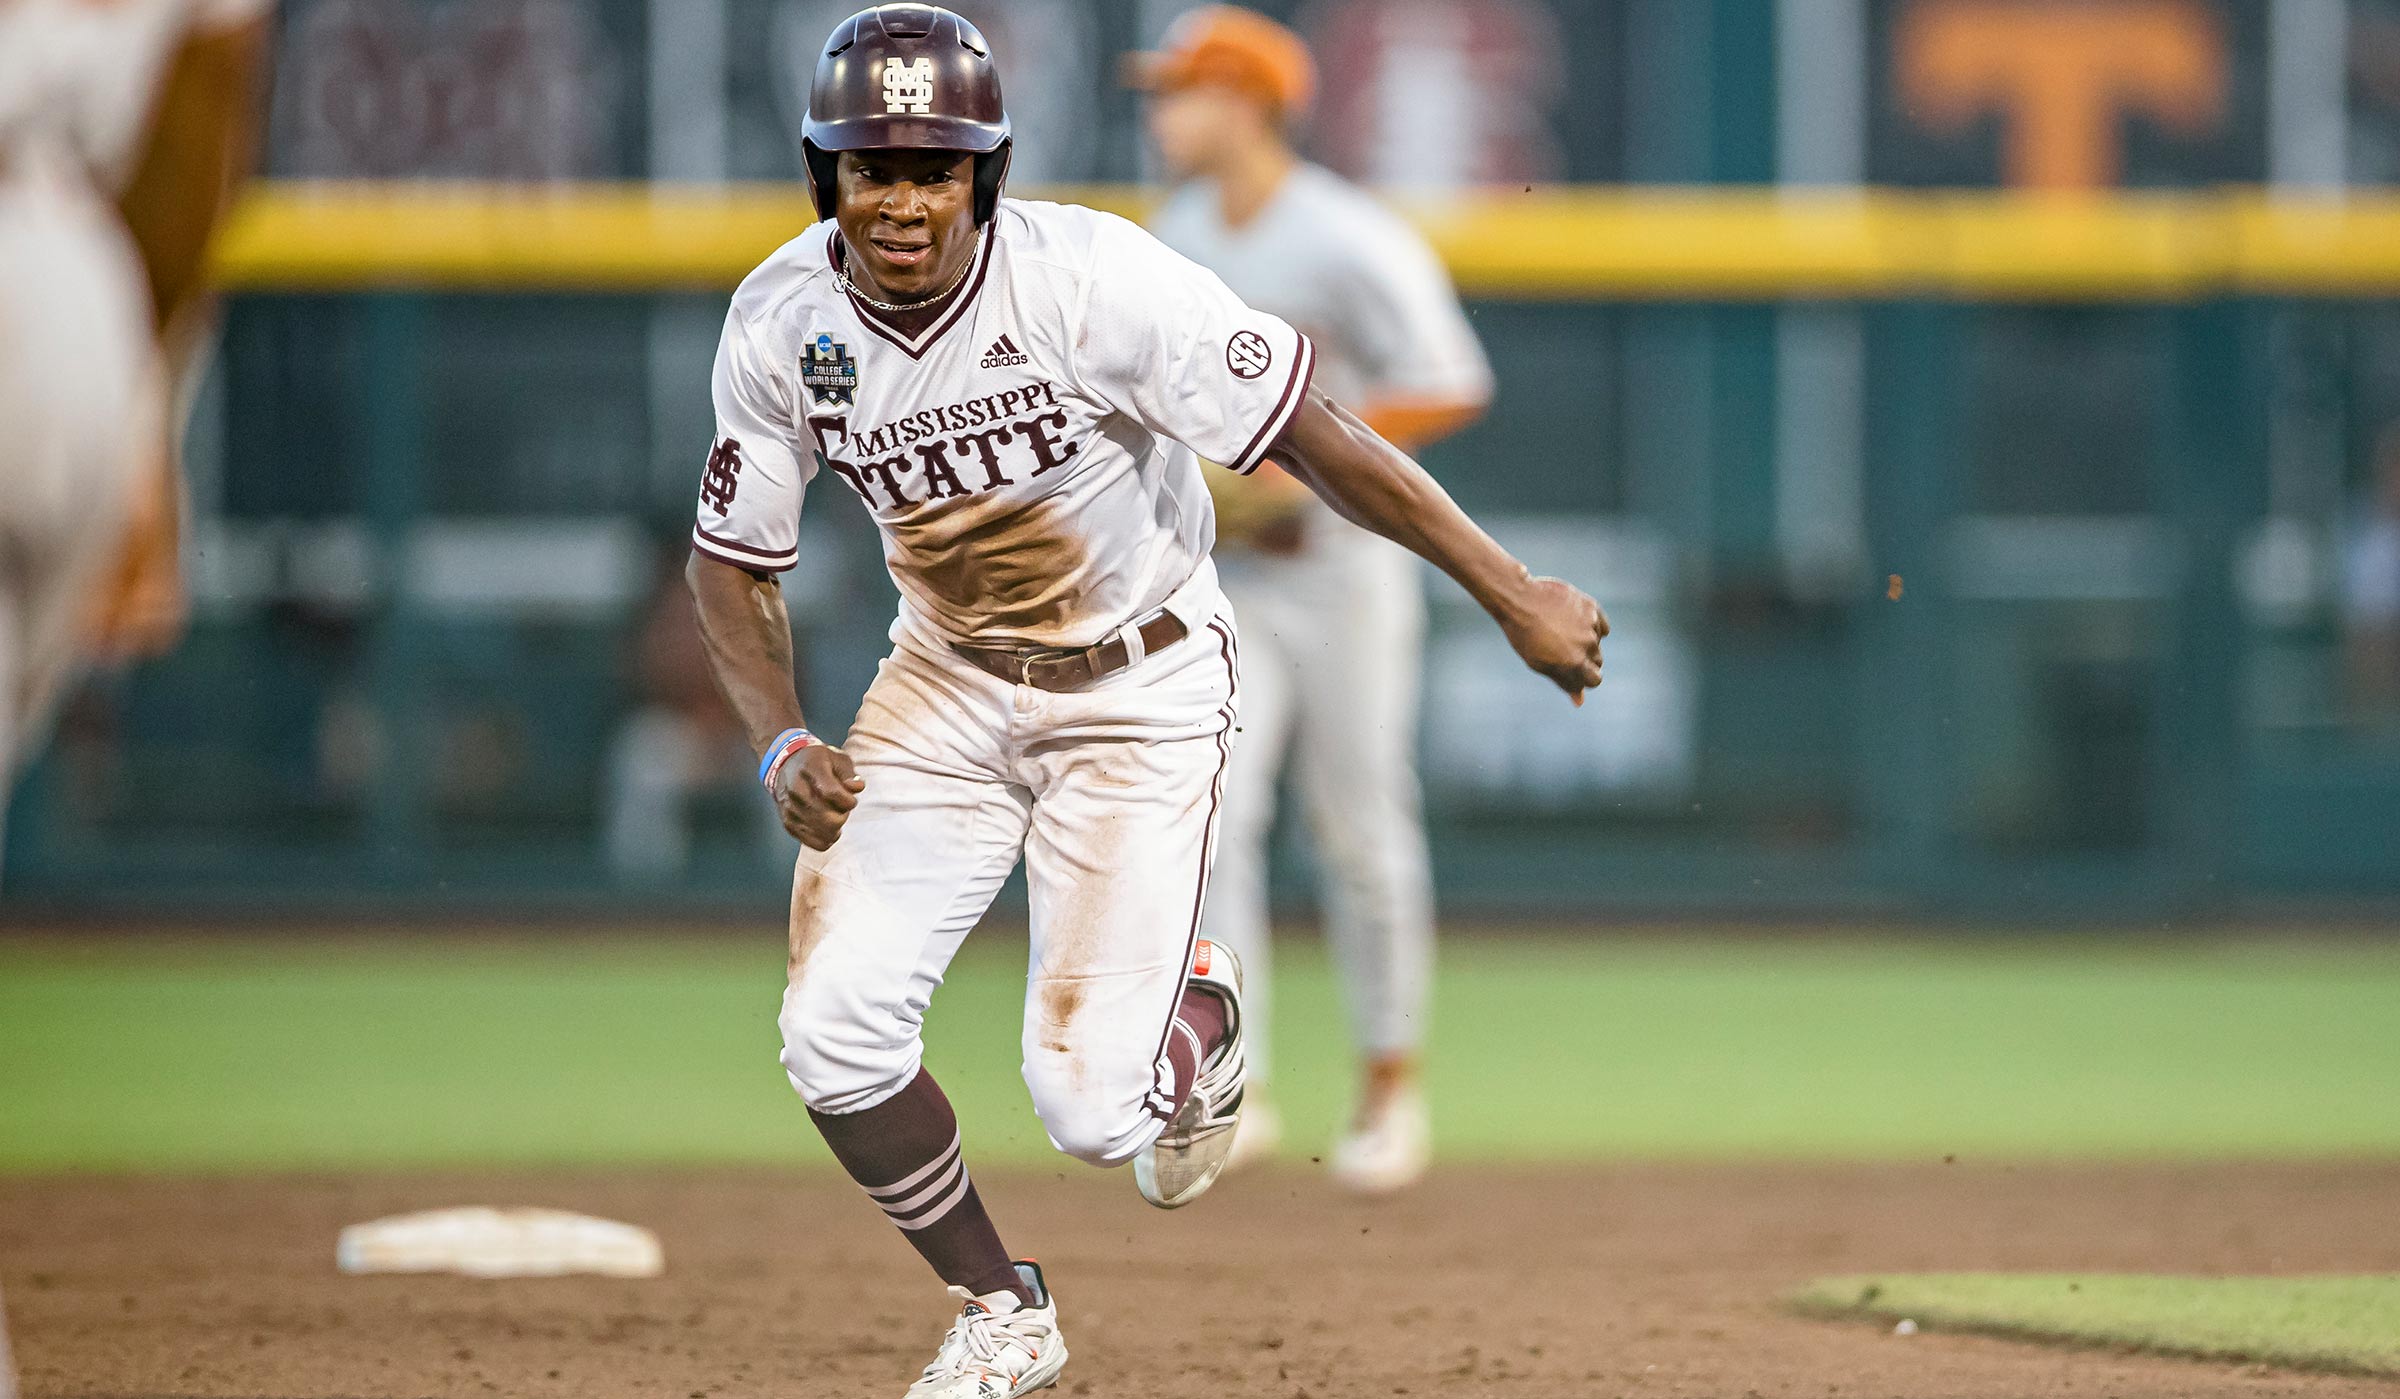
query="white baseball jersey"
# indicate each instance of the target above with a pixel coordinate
(1033, 456)
(1327, 257)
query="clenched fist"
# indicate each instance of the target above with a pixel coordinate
(1557, 630)
(815, 792)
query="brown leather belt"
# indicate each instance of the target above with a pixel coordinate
(1055, 668)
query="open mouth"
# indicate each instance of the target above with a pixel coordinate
(902, 254)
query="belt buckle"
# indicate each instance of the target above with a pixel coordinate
(1027, 660)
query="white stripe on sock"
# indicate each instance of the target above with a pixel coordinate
(958, 1192)
(942, 1182)
(917, 1177)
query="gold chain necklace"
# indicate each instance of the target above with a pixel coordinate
(842, 279)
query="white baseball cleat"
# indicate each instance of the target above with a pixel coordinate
(1187, 1157)
(1260, 1137)
(1390, 1150)
(999, 1348)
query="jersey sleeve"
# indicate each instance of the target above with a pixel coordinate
(1166, 343)
(750, 486)
(1405, 325)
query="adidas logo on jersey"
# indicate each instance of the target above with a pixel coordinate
(1004, 354)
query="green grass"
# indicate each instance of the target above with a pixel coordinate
(416, 1050)
(2319, 1323)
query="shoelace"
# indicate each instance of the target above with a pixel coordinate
(1214, 1089)
(981, 1336)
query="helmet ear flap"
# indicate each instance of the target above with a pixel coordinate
(991, 172)
(821, 166)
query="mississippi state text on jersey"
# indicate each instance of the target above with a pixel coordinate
(1033, 456)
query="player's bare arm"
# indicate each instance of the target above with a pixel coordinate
(748, 634)
(1267, 511)
(1377, 486)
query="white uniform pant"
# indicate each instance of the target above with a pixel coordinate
(1334, 644)
(1111, 794)
(80, 412)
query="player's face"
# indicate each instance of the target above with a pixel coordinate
(1194, 127)
(908, 217)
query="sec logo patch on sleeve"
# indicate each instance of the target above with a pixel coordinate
(1248, 355)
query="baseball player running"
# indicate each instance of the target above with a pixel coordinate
(1020, 393)
(1332, 614)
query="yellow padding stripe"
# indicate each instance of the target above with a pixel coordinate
(1549, 243)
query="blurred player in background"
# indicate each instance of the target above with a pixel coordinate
(1333, 618)
(125, 126)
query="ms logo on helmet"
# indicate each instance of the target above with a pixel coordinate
(908, 85)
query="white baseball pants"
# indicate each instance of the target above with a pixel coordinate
(1111, 794)
(1334, 645)
(80, 412)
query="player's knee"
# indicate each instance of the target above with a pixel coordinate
(1097, 1128)
(841, 1053)
(1104, 1138)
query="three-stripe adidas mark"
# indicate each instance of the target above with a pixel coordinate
(926, 1194)
(1004, 354)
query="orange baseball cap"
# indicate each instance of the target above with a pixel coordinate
(1232, 46)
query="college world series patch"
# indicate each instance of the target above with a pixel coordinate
(828, 371)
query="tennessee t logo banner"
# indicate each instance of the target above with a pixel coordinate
(2063, 75)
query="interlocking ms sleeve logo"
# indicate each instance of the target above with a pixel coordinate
(908, 85)
(828, 371)
(1004, 354)
(1247, 355)
(723, 475)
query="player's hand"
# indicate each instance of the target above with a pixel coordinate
(1558, 630)
(815, 794)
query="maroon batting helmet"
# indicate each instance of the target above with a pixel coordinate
(906, 77)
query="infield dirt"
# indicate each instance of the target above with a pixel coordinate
(1635, 1281)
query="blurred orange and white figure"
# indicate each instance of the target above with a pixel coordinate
(1333, 618)
(125, 127)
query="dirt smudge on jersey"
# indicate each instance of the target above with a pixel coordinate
(1012, 563)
